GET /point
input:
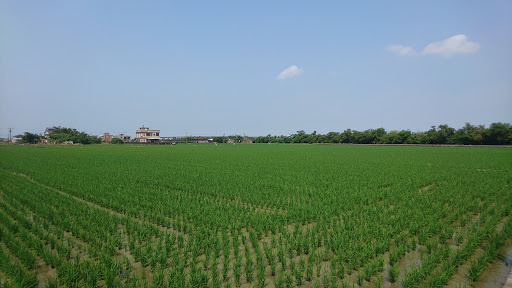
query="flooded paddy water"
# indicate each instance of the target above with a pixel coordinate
(499, 272)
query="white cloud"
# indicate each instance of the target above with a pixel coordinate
(291, 71)
(402, 50)
(453, 45)
(457, 44)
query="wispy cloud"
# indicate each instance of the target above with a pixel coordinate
(457, 44)
(453, 45)
(402, 50)
(289, 72)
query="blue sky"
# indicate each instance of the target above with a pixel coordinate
(240, 67)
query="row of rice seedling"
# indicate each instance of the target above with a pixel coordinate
(491, 250)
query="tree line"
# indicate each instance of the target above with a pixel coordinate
(60, 135)
(496, 134)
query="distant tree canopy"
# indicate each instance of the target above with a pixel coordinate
(30, 138)
(496, 134)
(61, 134)
(220, 139)
(117, 141)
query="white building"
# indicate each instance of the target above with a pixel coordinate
(16, 138)
(48, 131)
(144, 135)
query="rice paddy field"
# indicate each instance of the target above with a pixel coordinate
(254, 215)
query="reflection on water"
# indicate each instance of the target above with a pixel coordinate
(497, 273)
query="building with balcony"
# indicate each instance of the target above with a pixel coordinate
(106, 137)
(144, 135)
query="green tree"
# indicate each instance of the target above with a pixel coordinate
(499, 134)
(403, 136)
(62, 134)
(117, 141)
(347, 136)
(333, 137)
(30, 138)
(378, 134)
(392, 137)
(496, 134)
(445, 134)
(220, 139)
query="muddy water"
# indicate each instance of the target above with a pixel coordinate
(410, 259)
(499, 272)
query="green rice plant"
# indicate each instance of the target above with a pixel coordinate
(490, 252)
(20, 250)
(215, 273)
(198, 279)
(393, 273)
(475, 269)
(273, 267)
(203, 278)
(410, 279)
(237, 268)
(298, 274)
(379, 264)
(279, 280)
(282, 258)
(379, 281)
(51, 283)
(368, 272)
(16, 272)
(302, 264)
(309, 272)
(225, 268)
(176, 278)
(326, 280)
(288, 280)
(261, 276)
(360, 278)
(334, 279)
(158, 277)
(292, 265)
(248, 268)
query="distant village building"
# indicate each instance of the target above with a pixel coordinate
(201, 140)
(107, 137)
(144, 135)
(123, 137)
(48, 131)
(16, 138)
(172, 138)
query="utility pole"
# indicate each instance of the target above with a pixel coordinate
(9, 140)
